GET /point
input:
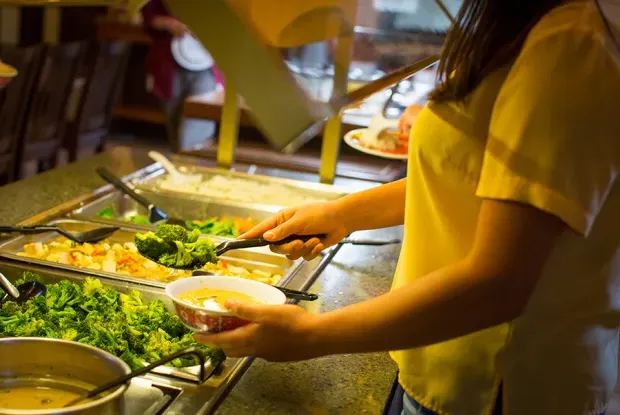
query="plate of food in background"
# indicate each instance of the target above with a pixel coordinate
(389, 144)
(7, 73)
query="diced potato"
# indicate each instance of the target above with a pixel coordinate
(64, 258)
(109, 266)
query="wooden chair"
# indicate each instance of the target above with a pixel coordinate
(89, 126)
(14, 101)
(45, 118)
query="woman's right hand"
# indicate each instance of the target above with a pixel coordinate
(319, 218)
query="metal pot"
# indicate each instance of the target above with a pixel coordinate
(29, 357)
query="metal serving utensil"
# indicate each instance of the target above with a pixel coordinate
(21, 293)
(139, 372)
(369, 242)
(156, 215)
(291, 294)
(91, 236)
(245, 243)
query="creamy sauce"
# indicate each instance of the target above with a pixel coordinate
(32, 397)
(26, 393)
(215, 300)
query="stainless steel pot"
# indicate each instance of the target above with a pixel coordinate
(26, 357)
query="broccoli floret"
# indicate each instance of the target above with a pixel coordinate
(139, 220)
(172, 233)
(28, 276)
(173, 246)
(193, 236)
(106, 213)
(151, 245)
(91, 285)
(132, 360)
(62, 294)
(69, 334)
(203, 251)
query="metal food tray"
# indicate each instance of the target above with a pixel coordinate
(150, 182)
(175, 206)
(252, 259)
(14, 271)
(181, 386)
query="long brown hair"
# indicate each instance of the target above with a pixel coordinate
(487, 34)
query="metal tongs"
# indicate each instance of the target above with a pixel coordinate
(156, 215)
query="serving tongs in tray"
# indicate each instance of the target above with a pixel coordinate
(156, 215)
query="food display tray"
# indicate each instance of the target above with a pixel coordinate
(175, 206)
(150, 182)
(172, 390)
(252, 259)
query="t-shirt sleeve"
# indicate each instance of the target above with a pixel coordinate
(554, 135)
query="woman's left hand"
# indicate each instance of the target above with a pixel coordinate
(276, 333)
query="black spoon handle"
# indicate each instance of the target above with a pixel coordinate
(121, 380)
(109, 177)
(298, 295)
(253, 243)
(28, 229)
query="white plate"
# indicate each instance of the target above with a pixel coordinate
(354, 143)
(189, 53)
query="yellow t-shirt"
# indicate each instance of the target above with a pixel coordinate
(543, 131)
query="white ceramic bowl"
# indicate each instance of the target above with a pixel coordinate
(214, 321)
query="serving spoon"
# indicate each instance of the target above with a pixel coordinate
(21, 293)
(156, 215)
(91, 236)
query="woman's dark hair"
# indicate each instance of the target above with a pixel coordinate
(487, 34)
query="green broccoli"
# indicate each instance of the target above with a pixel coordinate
(172, 233)
(139, 220)
(28, 276)
(151, 245)
(187, 251)
(124, 324)
(106, 213)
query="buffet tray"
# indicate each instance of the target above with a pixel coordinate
(150, 182)
(252, 259)
(175, 206)
(171, 390)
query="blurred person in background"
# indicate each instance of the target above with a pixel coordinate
(506, 298)
(171, 83)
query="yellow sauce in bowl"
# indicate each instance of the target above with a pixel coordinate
(214, 299)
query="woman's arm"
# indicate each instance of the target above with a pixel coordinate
(380, 207)
(490, 286)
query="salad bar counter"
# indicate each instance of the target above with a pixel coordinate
(98, 292)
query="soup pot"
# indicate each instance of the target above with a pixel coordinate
(41, 359)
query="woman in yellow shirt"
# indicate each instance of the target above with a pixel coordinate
(510, 268)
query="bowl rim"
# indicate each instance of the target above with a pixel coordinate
(207, 311)
(71, 409)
